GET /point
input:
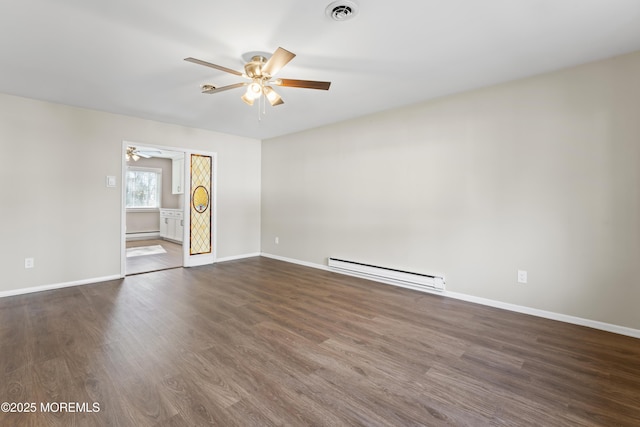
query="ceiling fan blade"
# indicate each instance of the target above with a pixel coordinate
(217, 67)
(279, 59)
(223, 88)
(147, 154)
(307, 84)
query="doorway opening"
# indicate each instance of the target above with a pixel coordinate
(154, 205)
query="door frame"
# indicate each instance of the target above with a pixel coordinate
(187, 259)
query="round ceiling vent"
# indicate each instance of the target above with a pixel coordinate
(342, 10)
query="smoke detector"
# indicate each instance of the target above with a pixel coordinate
(342, 10)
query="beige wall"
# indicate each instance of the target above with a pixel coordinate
(541, 174)
(55, 207)
(140, 222)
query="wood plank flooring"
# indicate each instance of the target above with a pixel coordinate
(259, 342)
(148, 263)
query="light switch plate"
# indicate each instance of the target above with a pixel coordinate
(111, 181)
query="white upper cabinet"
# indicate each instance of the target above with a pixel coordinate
(177, 174)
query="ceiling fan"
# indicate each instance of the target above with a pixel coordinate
(260, 71)
(135, 154)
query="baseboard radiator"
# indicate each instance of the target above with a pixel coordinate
(143, 235)
(388, 275)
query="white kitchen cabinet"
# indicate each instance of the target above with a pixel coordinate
(171, 224)
(177, 176)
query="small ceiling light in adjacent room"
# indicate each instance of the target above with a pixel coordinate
(132, 154)
(342, 10)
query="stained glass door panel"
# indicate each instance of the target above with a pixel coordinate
(201, 184)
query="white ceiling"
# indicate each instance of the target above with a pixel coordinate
(126, 56)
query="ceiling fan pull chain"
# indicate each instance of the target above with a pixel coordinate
(264, 104)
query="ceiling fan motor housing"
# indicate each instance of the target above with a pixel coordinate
(253, 68)
(342, 10)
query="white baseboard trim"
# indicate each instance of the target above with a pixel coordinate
(235, 257)
(51, 287)
(622, 330)
(296, 261)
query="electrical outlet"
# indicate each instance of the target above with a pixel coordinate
(277, 240)
(522, 276)
(29, 263)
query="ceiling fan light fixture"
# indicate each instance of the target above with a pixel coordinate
(272, 96)
(247, 100)
(254, 90)
(262, 66)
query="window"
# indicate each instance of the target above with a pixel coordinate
(143, 188)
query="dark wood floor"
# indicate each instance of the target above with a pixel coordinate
(146, 263)
(262, 342)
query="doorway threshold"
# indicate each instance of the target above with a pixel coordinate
(152, 271)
